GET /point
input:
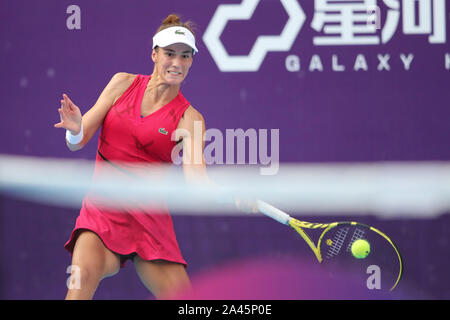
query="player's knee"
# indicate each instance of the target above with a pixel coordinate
(163, 292)
(89, 275)
(172, 288)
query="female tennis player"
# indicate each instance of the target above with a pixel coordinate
(137, 115)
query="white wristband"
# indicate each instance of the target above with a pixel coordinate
(74, 139)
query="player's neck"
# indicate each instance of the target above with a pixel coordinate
(160, 92)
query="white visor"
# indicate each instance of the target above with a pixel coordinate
(173, 35)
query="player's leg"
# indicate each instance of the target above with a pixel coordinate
(94, 262)
(163, 278)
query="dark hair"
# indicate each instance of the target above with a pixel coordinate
(174, 20)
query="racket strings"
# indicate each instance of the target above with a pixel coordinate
(337, 243)
(357, 234)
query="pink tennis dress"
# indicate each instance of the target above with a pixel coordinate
(128, 137)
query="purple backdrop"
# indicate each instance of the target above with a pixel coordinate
(324, 115)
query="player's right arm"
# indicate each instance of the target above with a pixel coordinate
(70, 114)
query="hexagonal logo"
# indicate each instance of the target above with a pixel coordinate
(262, 45)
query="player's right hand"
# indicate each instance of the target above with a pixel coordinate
(70, 116)
(246, 205)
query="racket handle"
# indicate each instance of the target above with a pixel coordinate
(273, 212)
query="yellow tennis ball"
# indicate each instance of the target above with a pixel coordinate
(360, 249)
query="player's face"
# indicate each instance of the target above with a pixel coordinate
(172, 63)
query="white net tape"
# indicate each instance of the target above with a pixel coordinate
(387, 189)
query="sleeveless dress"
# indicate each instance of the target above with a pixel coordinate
(127, 137)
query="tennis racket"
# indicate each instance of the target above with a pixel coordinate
(336, 242)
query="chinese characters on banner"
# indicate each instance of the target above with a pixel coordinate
(355, 22)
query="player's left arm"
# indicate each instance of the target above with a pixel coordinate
(191, 130)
